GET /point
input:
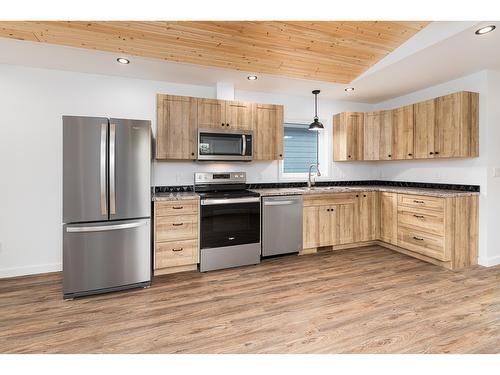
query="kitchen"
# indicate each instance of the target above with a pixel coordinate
(391, 196)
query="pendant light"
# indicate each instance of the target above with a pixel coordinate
(316, 125)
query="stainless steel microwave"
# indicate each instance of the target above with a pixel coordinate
(225, 145)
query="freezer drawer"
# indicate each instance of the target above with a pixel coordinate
(105, 256)
(281, 225)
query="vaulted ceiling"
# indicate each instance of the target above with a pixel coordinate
(316, 50)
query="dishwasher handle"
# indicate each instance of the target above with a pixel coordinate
(281, 203)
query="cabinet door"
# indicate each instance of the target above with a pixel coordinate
(348, 136)
(310, 233)
(268, 132)
(388, 217)
(378, 135)
(239, 115)
(425, 124)
(326, 225)
(342, 224)
(448, 131)
(367, 221)
(176, 127)
(385, 137)
(211, 114)
(371, 130)
(402, 133)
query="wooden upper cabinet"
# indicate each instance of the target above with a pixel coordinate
(447, 126)
(402, 133)
(348, 136)
(211, 113)
(457, 125)
(425, 122)
(377, 142)
(225, 114)
(176, 127)
(268, 132)
(444, 127)
(239, 115)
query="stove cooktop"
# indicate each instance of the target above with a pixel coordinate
(227, 194)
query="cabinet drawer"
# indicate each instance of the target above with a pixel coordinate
(176, 253)
(419, 201)
(425, 220)
(174, 208)
(323, 199)
(171, 228)
(422, 243)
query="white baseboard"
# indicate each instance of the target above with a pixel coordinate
(30, 270)
(490, 262)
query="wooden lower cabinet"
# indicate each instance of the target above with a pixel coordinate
(388, 217)
(329, 220)
(367, 224)
(443, 231)
(176, 236)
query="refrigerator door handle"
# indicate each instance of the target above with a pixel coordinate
(112, 177)
(103, 162)
(103, 228)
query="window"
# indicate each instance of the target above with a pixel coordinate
(300, 147)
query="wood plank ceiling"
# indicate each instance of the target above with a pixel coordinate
(319, 50)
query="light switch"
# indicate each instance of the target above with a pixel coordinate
(496, 172)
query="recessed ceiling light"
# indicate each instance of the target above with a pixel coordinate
(123, 60)
(252, 78)
(348, 89)
(485, 29)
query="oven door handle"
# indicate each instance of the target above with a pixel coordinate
(209, 202)
(244, 145)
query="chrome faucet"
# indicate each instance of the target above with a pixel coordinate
(309, 182)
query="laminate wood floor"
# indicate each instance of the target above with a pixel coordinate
(366, 300)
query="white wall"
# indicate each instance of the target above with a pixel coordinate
(32, 103)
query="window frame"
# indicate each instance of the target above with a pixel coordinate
(323, 159)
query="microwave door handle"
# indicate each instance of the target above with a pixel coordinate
(244, 148)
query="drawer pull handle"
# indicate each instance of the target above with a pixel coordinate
(177, 224)
(179, 249)
(419, 216)
(418, 201)
(418, 238)
(178, 207)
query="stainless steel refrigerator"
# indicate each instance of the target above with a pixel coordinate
(106, 205)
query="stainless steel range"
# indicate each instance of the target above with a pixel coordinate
(230, 221)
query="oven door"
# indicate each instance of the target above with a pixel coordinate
(229, 222)
(217, 145)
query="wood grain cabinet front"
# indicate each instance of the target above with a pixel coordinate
(348, 128)
(176, 126)
(443, 127)
(176, 236)
(388, 217)
(268, 132)
(440, 230)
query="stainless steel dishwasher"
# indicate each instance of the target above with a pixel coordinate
(281, 224)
